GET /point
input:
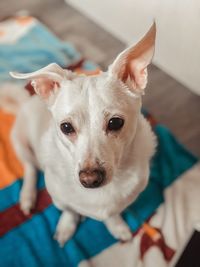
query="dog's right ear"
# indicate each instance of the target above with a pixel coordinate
(131, 65)
(45, 81)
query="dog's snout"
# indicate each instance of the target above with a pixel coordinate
(92, 178)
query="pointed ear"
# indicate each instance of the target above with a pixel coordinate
(131, 65)
(46, 80)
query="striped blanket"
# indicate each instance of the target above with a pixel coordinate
(160, 218)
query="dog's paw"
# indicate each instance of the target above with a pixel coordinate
(118, 228)
(64, 233)
(122, 232)
(66, 227)
(27, 200)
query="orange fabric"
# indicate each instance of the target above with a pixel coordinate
(24, 20)
(10, 167)
(87, 72)
(2, 32)
(152, 232)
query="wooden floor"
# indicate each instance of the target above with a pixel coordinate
(170, 102)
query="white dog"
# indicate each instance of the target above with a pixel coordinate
(89, 137)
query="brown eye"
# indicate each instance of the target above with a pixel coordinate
(115, 124)
(67, 128)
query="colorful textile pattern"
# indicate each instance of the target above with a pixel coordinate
(27, 45)
(28, 241)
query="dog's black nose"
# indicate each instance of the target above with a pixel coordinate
(92, 178)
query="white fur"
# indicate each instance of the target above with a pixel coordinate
(89, 103)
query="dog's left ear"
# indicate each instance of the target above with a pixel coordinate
(131, 65)
(45, 81)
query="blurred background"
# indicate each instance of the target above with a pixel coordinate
(102, 29)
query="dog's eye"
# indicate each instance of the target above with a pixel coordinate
(115, 124)
(67, 128)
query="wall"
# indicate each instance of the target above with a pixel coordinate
(178, 25)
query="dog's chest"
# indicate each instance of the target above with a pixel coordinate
(98, 204)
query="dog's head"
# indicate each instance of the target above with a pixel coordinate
(95, 117)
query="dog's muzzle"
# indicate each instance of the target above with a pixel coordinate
(92, 178)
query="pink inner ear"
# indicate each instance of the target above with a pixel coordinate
(135, 70)
(131, 65)
(44, 86)
(127, 70)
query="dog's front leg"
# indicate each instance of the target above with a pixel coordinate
(118, 228)
(28, 192)
(66, 226)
